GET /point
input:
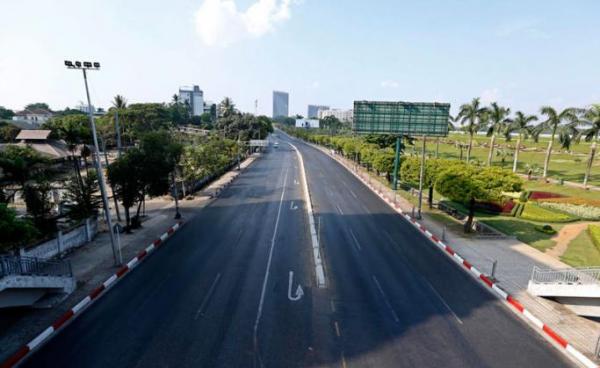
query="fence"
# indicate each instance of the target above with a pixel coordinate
(16, 265)
(581, 276)
(63, 242)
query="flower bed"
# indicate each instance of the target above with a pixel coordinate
(534, 212)
(494, 207)
(574, 200)
(535, 195)
(583, 212)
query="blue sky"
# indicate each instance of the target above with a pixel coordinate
(523, 54)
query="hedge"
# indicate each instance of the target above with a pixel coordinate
(536, 213)
(594, 232)
(546, 229)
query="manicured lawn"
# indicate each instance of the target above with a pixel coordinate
(524, 231)
(566, 165)
(582, 252)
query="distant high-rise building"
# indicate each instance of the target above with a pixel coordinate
(194, 97)
(341, 115)
(313, 110)
(281, 102)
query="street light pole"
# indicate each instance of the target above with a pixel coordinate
(87, 65)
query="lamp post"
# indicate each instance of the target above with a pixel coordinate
(86, 65)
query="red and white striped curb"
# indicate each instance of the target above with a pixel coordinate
(514, 303)
(18, 356)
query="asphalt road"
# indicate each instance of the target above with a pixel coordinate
(217, 295)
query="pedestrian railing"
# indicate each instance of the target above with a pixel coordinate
(31, 266)
(580, 276)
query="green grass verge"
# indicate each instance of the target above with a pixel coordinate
(534, 212)
(524, 231)
(582, 252)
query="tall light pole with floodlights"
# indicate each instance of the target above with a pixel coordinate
(85, 66)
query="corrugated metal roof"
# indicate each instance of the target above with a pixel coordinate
(37, 134)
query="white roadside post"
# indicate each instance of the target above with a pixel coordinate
(86, 65)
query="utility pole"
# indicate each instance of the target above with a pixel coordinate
(396, 163)
(95, 66)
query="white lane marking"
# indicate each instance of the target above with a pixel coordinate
(365, 208)
(337, 329)
(385, 299)
(293, 206)
(339, 209)
(299, 291)
(443, 301)
(296, 182)
(353, 194)
(268, 269)
(356, 243)
(207, 297)
(314, 236)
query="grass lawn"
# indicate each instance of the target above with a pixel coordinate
(582, 252)
(563, 165)
(524, 231)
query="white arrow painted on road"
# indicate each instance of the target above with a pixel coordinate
(293, 206)
(299, 291)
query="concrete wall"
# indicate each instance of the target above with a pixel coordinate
(63, 241)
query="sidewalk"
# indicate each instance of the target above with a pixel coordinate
(93, 263)
(515, 264)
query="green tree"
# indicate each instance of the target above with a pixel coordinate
(563, 123)
(84, 199)
(6, 113)
(591, 121)
(21, 165)
(37, 196)
(472, 117)
(8, 132)
(498, 123)
(227, 108)
(522, 126)
(37, 105)
(15, 231)
(119, 102)
(331, 123)
(471, 184)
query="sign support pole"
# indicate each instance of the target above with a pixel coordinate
(421, 175)
(396, 163)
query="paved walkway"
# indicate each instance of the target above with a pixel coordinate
(93, 263)
(515, 264)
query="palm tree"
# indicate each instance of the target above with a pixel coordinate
(119, 102)
(473, 115)
(520, 125)
(226, 107)
(591, 118)
(498, 123)
(554, 123)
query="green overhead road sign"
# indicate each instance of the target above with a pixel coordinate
(403, 118)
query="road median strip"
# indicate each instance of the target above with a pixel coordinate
(484, 279)
(78, 309)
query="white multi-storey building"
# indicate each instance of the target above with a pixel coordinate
(340, 114)
(194, 97)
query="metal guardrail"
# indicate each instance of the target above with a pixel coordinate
(31, 266)
(580, 276)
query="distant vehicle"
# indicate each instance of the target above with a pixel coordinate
(276, 145)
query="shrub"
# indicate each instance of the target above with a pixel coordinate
(524, 196)
(546, 229)
(594, 232)
(536, 213)
(535, 195)
(583, 212)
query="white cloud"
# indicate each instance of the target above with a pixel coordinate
(315, 84)
(220, 22)
(390, 84)
(490, 95)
